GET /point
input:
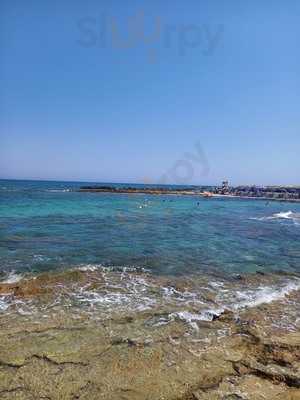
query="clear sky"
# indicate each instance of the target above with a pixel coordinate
(121, 91)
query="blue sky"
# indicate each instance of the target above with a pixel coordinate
(86, 96)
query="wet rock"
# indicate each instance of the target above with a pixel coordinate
(209, 296)
(76, 353)
(225, 316)
(7, 288)
(238, 277)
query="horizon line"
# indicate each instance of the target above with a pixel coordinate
(143, 183)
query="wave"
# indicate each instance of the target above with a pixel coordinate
(283, 215)
(12, 277)
(239, 301)
(4, 304)
(265, 295)
(111, 268)
(57, 190)
(105, 291)
(286, 215)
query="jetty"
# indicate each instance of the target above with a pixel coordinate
(288, 193)
(279, 193)
(189, 190)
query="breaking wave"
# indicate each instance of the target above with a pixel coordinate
(104, 292)
(283, 215)
(12, 277)
(4, 304)
(239, 300)
(265, 295)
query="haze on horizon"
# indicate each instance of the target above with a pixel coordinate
(148, 92)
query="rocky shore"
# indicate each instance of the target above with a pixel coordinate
(53, 348)
(281, 193)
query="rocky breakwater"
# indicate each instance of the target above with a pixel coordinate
(54, 347)
(140, 190)
(282, 193)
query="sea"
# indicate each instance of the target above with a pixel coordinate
(146, 241)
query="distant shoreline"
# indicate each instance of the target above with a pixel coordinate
(131, 190)
(185, 192)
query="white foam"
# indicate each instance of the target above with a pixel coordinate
(12, 277)
(289, 215)
(130, 293)
(216, 284)
(113, 268)
(3, 304)
(143, 206)
(264, 295)
(285, 215)
(192, 318)
(58, 190)
(88, 268)
(239, 301)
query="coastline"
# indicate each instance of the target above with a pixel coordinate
(132, 297)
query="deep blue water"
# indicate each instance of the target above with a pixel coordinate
(45, 227)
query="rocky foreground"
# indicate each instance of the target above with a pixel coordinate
(71, 352)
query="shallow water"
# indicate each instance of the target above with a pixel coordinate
(181, 258)
(48, 225)
(146, 296)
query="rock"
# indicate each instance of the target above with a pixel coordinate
(69, 354)
(238, 277)
(225, 316)
(7, 288)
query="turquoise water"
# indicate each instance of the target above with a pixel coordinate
(48, 225)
